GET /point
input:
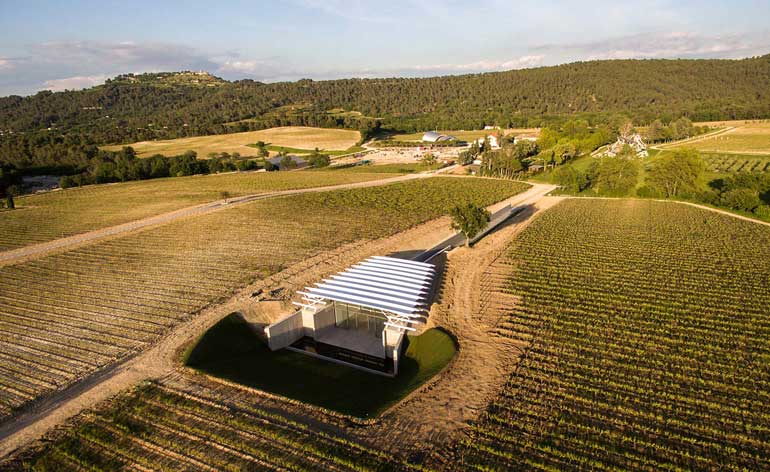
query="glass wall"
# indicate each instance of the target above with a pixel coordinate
(359, 318)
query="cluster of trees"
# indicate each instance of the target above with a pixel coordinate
(154, 106)
(124, 165)
(678, 175)
(556, 145)
(509, 160)
(679, 129)
(747, 192)
(559, 144)
(317, 160)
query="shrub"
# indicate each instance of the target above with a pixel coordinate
(741, 199)
(647, 191)
(763, 212)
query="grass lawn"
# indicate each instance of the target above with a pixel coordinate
(232, 351)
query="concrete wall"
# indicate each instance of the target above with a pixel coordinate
(324, 319)
(284, 332)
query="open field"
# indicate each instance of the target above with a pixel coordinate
(192, 424)
(470, 135)
(648, 326)
(53, 215)
(67, 315)
(231, 350)
(743, 137)
(290, 136)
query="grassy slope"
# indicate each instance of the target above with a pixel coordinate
(232, 351)
(63, 213)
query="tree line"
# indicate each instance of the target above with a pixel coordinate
(150, 106)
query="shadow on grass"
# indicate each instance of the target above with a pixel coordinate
(232, 350)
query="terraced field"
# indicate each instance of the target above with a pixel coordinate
(192, 424)
(648, 326)
(59, 214)
(64, 316)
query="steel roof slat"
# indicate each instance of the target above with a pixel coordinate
(392, 273)
(397, 260)
(399, 310)
(370, 281)
(395, 278)
(382, 290)
(408, 270)
(381, 278)
(368, 295)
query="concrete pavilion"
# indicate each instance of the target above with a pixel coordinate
(359, 316)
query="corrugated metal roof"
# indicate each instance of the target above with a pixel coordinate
(395, 286)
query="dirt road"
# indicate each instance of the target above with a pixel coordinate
(36, 251)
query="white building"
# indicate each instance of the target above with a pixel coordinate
(493, 141)
(359, 317)
(436, 137)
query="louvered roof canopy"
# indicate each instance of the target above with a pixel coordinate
(395, 286)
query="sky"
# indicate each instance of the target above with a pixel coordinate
(58, 45)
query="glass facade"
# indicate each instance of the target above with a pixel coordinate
(359, 318)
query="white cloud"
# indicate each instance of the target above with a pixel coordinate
(121, 55)
(5, 63)
(74, 83)
(484, 65)
(674, 44)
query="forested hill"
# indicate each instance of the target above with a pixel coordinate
(150, 106)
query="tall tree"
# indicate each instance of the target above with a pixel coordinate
(677, 173)
(470, 219)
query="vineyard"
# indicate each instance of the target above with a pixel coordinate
(193, 424)
(59, 214)
(648, 326)
(730, 163)
(66, 315)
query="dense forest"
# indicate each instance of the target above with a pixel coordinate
(62, 129)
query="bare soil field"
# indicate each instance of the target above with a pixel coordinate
(288, 136)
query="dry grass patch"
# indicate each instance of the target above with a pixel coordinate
(288, 136)
(745, 138)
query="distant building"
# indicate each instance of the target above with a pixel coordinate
(436, 137)
(493, 141)
(632, 140)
